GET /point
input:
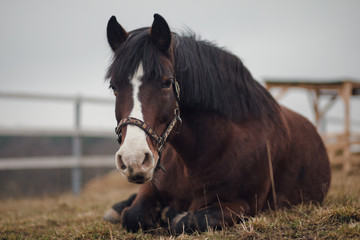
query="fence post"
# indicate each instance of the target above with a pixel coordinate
(77, 150)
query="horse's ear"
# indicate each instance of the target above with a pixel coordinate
(116, 35)
(160, 33)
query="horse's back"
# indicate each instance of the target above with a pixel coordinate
(304, 173)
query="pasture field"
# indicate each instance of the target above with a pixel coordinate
(80, 217)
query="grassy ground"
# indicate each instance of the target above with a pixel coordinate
(80, 217)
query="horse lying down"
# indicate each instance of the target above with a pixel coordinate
(207, 142)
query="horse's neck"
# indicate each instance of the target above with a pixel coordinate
(205, 137)
(200, 135)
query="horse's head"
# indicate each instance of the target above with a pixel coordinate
(143, 80)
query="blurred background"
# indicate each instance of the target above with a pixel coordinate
(56, 106)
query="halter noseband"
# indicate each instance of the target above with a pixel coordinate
(159, 139)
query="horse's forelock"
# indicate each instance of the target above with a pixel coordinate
(137, 49)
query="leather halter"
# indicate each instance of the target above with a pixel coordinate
(159, 139)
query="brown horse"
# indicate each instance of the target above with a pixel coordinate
(231, 151)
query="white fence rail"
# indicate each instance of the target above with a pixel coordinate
(56, 162)
(76, 161)
(24, 132)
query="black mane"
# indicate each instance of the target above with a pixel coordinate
(211, 79)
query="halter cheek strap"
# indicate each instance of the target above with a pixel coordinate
(159, 139)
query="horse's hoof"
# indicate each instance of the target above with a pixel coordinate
(112, 216)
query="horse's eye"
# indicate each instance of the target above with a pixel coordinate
(167, 83)
(114, 89)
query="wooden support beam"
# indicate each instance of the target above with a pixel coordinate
(345, 88)
(328, 106)
(345, 94)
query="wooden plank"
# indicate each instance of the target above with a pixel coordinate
(339, 160)
(335, 146)
(321, 81)
(338, 135)
(321, 84)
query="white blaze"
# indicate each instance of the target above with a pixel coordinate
(135, 145)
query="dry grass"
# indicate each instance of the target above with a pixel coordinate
(80, 217)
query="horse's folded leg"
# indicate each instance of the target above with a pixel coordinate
(189, 222)
(113, 215)
(167, 214)
(211, 217)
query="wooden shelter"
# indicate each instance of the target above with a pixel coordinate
(338, 145)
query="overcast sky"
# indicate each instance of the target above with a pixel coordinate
(60, 47)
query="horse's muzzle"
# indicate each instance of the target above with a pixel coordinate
(136, 167)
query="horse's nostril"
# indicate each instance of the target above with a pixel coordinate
(122, 166)
(121, 163)
(147, 160)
